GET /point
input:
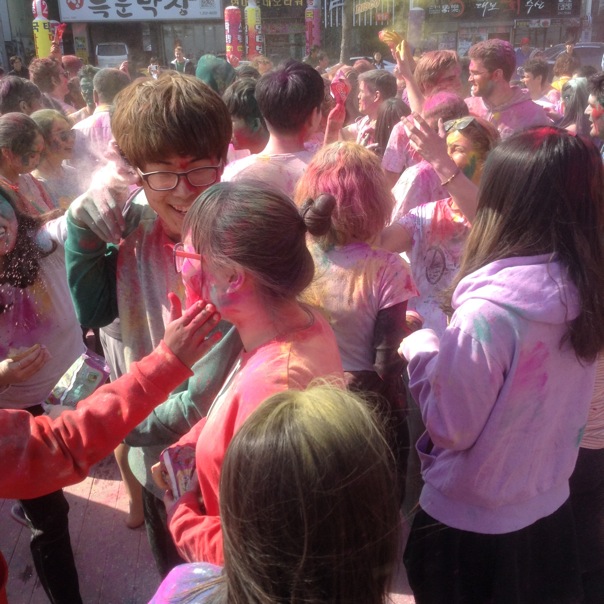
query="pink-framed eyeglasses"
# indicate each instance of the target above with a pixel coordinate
(180, 254)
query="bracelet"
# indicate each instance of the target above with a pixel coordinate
(453, 176)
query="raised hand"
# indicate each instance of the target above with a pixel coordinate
(187, 333)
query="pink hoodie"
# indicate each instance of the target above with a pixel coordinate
(504, 402)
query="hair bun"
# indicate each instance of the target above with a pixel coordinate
(317, 214)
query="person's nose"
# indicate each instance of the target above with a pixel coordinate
(184, 189)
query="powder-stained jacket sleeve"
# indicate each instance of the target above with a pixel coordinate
(41, 455)
(91, 275)
(174, 418)
(455, 382)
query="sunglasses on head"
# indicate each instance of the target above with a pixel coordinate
(459, 124)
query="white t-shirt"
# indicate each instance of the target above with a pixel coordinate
(40, 314)
(439, 234)
(352, 284)
(417, 184)
(281, 171)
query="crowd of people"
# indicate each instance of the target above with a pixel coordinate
(348, 299)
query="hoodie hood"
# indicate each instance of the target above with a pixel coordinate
(519, 96)
(535, 287)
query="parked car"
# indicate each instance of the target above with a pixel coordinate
(589, 53)
(111, 54)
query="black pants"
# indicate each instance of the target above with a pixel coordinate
(587, 500)
(535, 565)
(51, 547)
(50, 543)
(156, 524)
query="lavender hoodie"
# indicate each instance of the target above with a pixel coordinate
(503, 402)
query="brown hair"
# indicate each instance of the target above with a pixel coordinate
(542, 192)
(565, 65)
(431, 66)
(246, 224)
(495, 54)
(18, 133)
(43, 72)
(176, 114)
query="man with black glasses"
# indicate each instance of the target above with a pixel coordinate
(172, 135)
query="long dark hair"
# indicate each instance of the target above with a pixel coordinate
(22, 264)
(574, 95)
(542, 192)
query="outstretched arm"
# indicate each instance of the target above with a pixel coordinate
(42, 455)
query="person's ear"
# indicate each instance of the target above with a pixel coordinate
(236, 281)
(255, 124)
(95, 97)
(497, 74)
(7, 155)
(24, 107)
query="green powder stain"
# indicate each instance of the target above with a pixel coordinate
(482, 329)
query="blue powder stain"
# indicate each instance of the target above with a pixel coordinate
(580, 437)
(482, 329)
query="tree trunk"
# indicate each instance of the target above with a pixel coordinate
(346, 31)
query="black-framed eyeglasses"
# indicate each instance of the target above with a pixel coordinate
(459, 124)
(180, 255)
(166, 181)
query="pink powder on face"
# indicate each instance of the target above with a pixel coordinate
(597, 111)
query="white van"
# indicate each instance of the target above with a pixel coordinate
(111, 54)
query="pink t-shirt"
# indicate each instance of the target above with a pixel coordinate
(398, 154)
(290, 362)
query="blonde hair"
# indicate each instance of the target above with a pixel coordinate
(303, 469)
(354, 176)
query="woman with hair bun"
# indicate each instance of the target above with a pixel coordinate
(244, 249)
(308, 508)
(362, 290)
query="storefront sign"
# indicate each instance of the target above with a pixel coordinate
(478, 10)
(138, 10)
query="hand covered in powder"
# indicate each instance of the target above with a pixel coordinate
(187, 334)
(101, 207)
(431, 145)
(21, 366)
(404, 60)
(335, 121)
